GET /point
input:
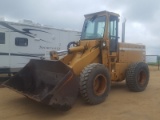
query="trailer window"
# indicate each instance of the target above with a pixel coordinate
(2, 38)
(21, 42)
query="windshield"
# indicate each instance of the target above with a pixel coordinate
(93, 28)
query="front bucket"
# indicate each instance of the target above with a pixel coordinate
(49, 82)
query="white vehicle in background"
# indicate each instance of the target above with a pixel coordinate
(20, 42)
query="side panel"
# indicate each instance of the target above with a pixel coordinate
(60, 40)
(40, 41)
(128, 53)
(66, 37)
(131, 53)
(20, 55)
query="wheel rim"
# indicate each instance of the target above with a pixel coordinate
(99, 85)
(142, 77)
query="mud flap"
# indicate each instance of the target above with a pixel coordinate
(49, 82)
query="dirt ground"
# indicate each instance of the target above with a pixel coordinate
(121, 104)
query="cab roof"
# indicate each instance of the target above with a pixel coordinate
(101, 13)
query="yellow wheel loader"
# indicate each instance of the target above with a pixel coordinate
(88, 68)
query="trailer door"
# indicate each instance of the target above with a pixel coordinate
(4, 51)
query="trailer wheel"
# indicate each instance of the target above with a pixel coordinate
(94, 83)
(137, 76)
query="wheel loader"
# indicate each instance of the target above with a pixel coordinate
(89, 67)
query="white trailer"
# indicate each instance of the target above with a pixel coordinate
(20, 42)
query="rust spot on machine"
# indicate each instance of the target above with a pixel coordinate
(50, 82)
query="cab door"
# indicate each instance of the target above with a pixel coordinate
(113, 33)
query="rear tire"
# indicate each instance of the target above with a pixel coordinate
(94, 83)
(137, 76)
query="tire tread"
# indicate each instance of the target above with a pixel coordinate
(84, 76)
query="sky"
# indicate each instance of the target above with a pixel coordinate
(142, 25)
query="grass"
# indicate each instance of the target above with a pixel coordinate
(154, 63)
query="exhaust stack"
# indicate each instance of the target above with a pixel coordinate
(123, 30)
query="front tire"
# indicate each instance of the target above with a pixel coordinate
(137, 76)
(94, 83)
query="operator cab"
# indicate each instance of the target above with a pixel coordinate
(101, 26)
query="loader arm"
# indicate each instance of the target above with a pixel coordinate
(78, 60)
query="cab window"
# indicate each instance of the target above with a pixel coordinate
(93, 28)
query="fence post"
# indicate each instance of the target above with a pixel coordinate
(158, 61)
